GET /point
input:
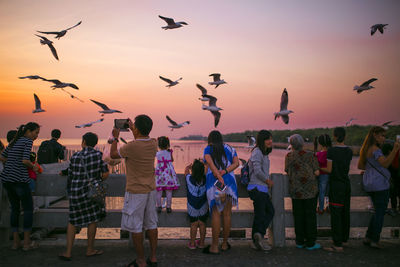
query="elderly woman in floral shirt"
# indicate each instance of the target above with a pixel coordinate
(302, 169)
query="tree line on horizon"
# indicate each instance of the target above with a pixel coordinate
(355, 134)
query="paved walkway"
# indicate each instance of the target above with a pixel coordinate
(174, 253)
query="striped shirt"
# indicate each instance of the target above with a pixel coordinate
(14, 170)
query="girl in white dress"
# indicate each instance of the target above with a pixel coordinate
(166, 179)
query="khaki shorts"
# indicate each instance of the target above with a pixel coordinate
(139, 212)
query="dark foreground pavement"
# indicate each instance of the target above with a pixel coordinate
(175, 253)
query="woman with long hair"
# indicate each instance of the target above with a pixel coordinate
(376, 179)
(15, 179)
(222, 160)
(259, 188)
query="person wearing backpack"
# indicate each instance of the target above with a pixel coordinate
(50, 151)
(259, 188)
(376, 180)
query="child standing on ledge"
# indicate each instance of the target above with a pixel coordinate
(197, 205)
(166, 179)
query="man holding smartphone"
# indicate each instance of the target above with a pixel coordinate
(139, 210)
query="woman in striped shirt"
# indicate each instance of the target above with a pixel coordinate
(15, 179)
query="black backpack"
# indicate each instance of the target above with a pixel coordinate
(46, 153)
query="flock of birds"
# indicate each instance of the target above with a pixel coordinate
(283, 113)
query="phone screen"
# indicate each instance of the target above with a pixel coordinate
(219, 185)
(121, 124)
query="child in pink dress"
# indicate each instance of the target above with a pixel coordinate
(166, 179)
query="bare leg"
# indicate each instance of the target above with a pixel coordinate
(159, 195)
(193, 232)
(226, 214)
(70, 240)
(27, 239)
(216, 228)
(16, 240)
(202, 227)
(152, 234)
(168, 193)
(138, 244)
(91, 235)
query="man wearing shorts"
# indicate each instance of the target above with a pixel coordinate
(139, 210)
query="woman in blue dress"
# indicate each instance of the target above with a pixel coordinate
(221, 160)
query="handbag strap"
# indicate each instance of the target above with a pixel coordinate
(377, 169)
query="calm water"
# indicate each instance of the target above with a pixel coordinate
(186, 151)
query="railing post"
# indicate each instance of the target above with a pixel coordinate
(4, 231)
(278, 201)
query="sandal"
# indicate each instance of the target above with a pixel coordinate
(32, 245)
(191, 247)
(334, 249)
(96, 253)
(227, 248)
(133, 264)
(151, 263)
(64, 258)
(206, 250)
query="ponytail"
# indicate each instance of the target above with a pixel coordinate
(31, 126)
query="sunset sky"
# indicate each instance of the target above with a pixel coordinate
(318, 50)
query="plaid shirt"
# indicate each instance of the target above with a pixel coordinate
(82, 210)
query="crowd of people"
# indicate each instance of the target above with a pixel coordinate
(211, 186)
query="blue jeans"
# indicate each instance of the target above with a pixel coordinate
(20, 193)
(263, 211)
(323, 188)
(380, 200)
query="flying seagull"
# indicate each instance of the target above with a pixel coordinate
(350, 122)
(59, 84)
(105, 110)
(170, 83)
(175, 125)
(379, 27)
(38, 107)
(171, 23)
(284, 112)
(45, 41)
(251, 141)
(212, 107)
(89, 124)
(63, 32)
(365, 86)
(217, 80)
(32, 77)
(204, 96)
(386, 125)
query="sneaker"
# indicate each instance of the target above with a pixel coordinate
(257, 241)
(266, 247)
(300, 246)
(159, 209)
(367, 241)
(169, 210)
(190, 246)
(315, 247)
(375, 245)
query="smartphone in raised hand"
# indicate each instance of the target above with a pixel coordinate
(122, 124)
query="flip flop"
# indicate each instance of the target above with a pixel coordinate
(151, 263)
(96, 253)
(206, 250)
(64, 258)
(333, 249)
(228, 247)
(133, 264)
